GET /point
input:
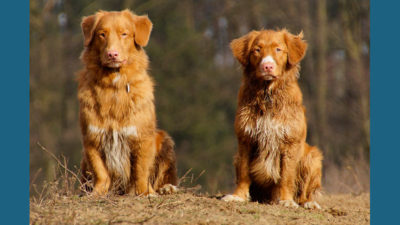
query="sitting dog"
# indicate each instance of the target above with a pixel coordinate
(123, 150)
(273, 163)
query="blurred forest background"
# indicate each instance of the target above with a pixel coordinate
(198, 80)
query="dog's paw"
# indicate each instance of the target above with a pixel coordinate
(233, 198)
(288, 203)
(152, 195)
(100, 190)
(168, 189)
(312, 205)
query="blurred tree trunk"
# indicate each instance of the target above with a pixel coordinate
(127, 4)
(355, 68)
(321, 71)
(308, 79)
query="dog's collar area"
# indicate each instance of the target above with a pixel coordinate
(117, 78)
(111, 69)
(267, 95)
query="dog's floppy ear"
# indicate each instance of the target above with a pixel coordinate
(241, 47)
(296, 47)
(88, 26)
(143, 27)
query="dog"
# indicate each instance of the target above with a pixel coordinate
(123, 150)
(273, 163)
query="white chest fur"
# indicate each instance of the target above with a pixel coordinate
(115, 144)
(268, 131)
(269, 134)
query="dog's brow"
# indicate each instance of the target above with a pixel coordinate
(260, 43)
(273, 44)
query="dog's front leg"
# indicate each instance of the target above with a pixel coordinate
(286, 186)
(102, 179)
(243, 180)
(145, 156)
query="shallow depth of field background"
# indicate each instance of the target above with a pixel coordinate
(197, 81)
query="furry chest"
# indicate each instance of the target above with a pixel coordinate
(114, 103)
(269, 134)
(268, 131)
(116, 147)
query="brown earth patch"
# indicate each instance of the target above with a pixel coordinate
(187, 208)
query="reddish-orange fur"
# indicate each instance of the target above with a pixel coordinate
(122, 148)
(273, 161)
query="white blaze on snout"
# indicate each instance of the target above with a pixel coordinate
(267, 59)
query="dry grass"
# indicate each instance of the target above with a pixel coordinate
(352, 177)
(188, 208)
(63, 202)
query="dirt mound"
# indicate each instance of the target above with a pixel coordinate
(187, 208)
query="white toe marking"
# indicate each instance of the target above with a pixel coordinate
(289, 203)
(312, 205)
(151, 196)
(168, 189)
(232, 198)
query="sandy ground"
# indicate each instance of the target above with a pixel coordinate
(187, 208)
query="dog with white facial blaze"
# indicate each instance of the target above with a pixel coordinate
(273, 163)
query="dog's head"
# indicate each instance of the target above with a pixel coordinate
(115, 36)
(268, 54)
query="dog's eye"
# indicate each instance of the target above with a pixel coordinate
(103, 35)
(278, 49)
(257, 50)
(124, 34)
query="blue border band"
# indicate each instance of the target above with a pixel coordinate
(385, 111)
(14, 92)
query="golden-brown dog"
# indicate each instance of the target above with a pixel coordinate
(273, 162)
(123, 150)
